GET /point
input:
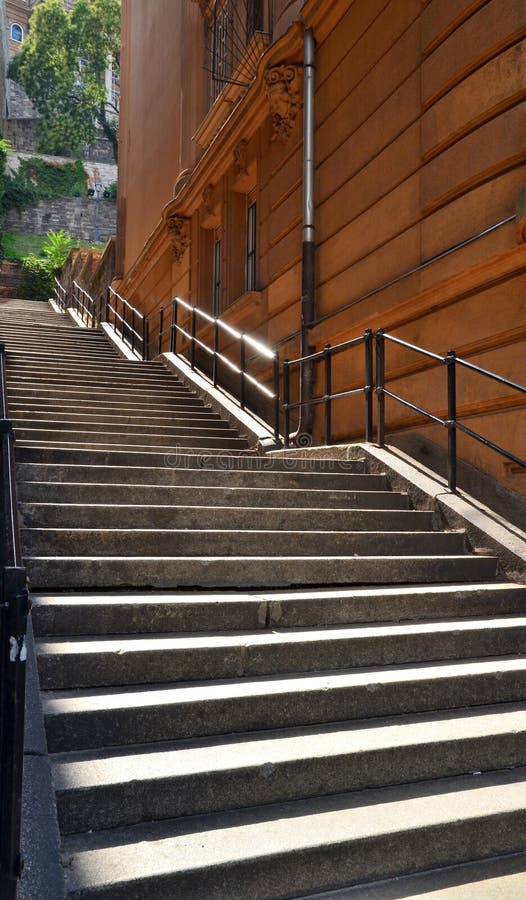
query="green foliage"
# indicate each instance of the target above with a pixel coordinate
(18, 246)
(70, 98)
(36, 282)
(112, 189)
(49, 180)
(56, 249)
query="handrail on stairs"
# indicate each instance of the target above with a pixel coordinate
(223, 372)
(165, 322)
(14, 608)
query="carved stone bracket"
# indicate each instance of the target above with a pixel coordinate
(283, 92)
(240, 158)
(178, 231)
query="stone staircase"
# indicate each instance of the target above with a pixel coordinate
(261, 677)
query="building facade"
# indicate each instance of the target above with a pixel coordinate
(420, 160)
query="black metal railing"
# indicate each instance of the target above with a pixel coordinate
(451, 361)
(61, 295)
(13, 625)
(127, 321)
(328, 396)
(84, 305)
(239, 379)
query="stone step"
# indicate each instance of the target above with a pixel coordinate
(485, 879)
(201, 447)
(214, 542)
(119, 395)
(110, 406)
(102, 717)
(244, 572)
(109, 432)
(50, 415)
(79, 356)
(271, 497)
(248, 462)
(106, 515)
(102, 381)
(120, 786)
(319, 844)
(58, 365)
(84, 662)
(173, 473)
(147, 613)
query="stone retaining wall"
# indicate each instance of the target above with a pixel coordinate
(76, 215)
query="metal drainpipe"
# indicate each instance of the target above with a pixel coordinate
(306, 417)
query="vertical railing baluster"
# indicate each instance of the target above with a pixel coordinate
(380, 385)
(328, 392)
(452, 420)
(215, 362)
(242, 371)
(133, 330)
(286, 400)
(368, 385)
(145, 339)
(192, 333)
(173, 325)
(276, 395)
(107, 305)
(160, 343)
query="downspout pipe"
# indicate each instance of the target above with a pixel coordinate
(308, 274)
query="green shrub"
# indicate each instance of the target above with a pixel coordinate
(56, 249)
(36, 282)
(112, 190)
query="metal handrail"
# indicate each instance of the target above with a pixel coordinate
(173, 328)
(329, 395)
(451, 361)
(86, 310)
(13, 627)
(136, 340)
(60, 294)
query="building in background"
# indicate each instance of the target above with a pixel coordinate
(19, 117)
(419, 150)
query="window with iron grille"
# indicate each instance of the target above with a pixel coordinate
(250, 269)
(232, 25)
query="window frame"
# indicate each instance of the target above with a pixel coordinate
(11, 35)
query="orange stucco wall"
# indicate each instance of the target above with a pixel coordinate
(420, 145)
(162, 103)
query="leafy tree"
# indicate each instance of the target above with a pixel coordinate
(61, 67)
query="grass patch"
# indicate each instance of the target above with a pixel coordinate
(20, 246)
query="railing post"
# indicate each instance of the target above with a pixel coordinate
(123, 319)
(380, 384)
(160, 344)
(145, 339)
(192, 334)
(368, 385)
(328, 392)
(173, 327)
(452, 420)
(242, 370)
(107, 305)
(133, 330)
(13, 626)
(216, 349)
(276, 395)
(286, 400)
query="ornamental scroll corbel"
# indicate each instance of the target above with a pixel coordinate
(283, 94)
(178, 232)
